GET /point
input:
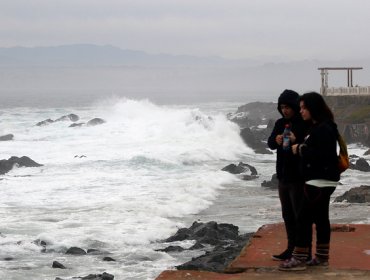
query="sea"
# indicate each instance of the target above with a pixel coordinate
(124, 186)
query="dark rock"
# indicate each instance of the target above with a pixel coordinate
(7, 137)
(58, 265)
(75, 251)
(255, 113)
(104, 276)
(355, 195)
(95, 121)
(197, 246)
(249, 177)
(367, 152)
(45, 122)
(273, 183)
(70, 117)
(8, 259)
(251, 141)
(361, 165)
(219, 258)
(240, 168)
(171, 249)
(108, 259)
(93, 251)
(77, 124)
(7, 165)
(228, 244)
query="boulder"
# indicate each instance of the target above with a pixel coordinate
(70, 117)
(7, 164)
(95, 121)
(367, 152)
(104, 276)
(77, 124)
(7, 137)
(361, 165)
(240, 168)
(45, 122)
(224, 237)
(272, 184)
(256, 144)
(75, 251)
(355, 195)
(58, 265)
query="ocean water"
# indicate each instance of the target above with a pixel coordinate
(123, 186)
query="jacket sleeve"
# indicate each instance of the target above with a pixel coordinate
(271, 142)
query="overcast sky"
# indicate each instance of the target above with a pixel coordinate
(281, 29)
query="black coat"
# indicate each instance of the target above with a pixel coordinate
(287, 164)
(319, 159)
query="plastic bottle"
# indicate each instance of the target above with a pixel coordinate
(286, 139)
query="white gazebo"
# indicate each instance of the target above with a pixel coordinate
(349, 90)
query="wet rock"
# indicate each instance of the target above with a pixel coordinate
(171, 249)
(75, 251)
(253, 142)
(70, 117)
(77, 124)
(355, 195)
(45, 122)
(7, 137)
(58, 265)
(104, 276)
(224, 237)
(240, 168)
(219, 258)
(361, 165)
(95, 121)
(7, 164)
(272, 184)
(8, 259)
(108, 259)
(367, 152)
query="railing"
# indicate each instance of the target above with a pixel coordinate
(347, 91)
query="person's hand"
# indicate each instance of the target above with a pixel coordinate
(279, 139)
(292, 137)
(295, 149)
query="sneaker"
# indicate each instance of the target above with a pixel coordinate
(292, 264)
(287, 254)
(317, 262)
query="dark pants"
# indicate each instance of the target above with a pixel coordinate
(291, 195)
(315, 210)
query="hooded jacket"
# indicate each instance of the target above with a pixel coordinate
(287, 164)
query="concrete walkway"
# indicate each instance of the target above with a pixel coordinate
(349, 258)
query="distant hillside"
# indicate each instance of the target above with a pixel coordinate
(87, 54)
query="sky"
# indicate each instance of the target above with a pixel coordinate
(273, 29)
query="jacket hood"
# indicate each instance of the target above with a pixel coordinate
(290, 98)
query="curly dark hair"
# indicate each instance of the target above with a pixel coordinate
(316, 105)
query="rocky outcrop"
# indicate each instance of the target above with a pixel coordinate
(95, 121)
(355, 195)
(7, 164)
(225, 239)
(254, 114)
(70, 117)
(7, 137)
(253, 142)
(104, 276)
(247, 172)
(272, 184)
(361, 165)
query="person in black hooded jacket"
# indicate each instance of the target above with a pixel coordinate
(287, 165)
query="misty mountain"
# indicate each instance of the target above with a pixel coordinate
(88, 71)
(93, 55)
